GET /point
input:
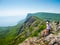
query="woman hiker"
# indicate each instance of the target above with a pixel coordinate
(48, 28)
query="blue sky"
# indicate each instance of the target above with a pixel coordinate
(20, 8)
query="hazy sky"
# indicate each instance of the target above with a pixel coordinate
(22, 7)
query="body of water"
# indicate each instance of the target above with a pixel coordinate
(10, 20)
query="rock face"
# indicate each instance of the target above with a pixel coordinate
(49, 40)
(30, 28)
(27, 23)
(31, 41)
(52, 39)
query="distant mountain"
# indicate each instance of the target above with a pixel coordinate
(46, 16)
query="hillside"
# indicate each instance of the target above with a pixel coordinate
(34, 24)
(28, 28)
(32, 27)
(30, 33)
(7, 34)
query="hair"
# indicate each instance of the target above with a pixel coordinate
(57, 22)
(47, 21)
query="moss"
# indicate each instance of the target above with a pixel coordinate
(31, 28)
(35, 33)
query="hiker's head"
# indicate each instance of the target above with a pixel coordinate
(57, 22)
(47, 22)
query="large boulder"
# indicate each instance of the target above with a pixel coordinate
(53, 39)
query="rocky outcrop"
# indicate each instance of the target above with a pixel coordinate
(53, 39)
(49, 40)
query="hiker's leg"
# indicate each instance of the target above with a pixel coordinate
(49, 31)
(46, 32)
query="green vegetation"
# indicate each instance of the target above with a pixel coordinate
(7, 34)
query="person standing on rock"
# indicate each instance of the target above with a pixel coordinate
(48, 28)
(58, 26)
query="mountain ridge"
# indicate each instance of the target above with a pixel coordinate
(31, 26)
(32, 29)
(45, 16)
